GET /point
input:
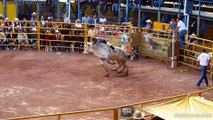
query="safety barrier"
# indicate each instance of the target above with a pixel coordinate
(57, 36)
(115, 110)
(188, 56)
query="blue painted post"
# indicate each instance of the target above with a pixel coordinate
(127, 10)
(99, 7)
(198, 19)
(37, 9)
(79, 9)
(68, 8)
(179, 8)
(58, 9)
(139, 13)
(159, 10)
(4, 7)
(119, 10)
(16, 3)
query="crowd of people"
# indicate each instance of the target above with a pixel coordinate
(23, 34)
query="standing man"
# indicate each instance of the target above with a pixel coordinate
(181, 27)
(86, 19)
(172, 26)
(203, 60)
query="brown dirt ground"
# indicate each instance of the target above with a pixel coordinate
(34, 83)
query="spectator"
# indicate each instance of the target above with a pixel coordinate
(181, 27)
(148, 25)
(86, 19)
(103, 6)
(91, 33)
(43, 23)
(2, 38)
(115, 7)
(78, 26)
(93, 4)
(33, 19)
(66, 17)
(193, 27)
(94, 20)
(11, 38)
(203, 60)
(124, 37)
(8, 25)
(193, 40)
(132, 5)
(102, 19)
(22, 38)
(138, 115)
(33, 37)
(172, 26)
(102, 30)
(156, 118)
(47, 41)
(57, 37)
(63, 44)
(24, 23)
(1, 17)
(16, 24)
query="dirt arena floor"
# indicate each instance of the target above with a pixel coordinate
(34, 83)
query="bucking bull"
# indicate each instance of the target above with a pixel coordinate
(108, 54)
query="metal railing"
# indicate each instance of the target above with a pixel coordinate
(115, 110)
(189, 55)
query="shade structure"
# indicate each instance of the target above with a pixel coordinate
(189, 108)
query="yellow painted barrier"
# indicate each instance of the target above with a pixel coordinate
(1, 8)
(82, 32)
(158, 25)
(11, 10)
(115, 115)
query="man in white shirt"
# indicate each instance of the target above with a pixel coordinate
(181, 27)
(102, 19)
(203, 60)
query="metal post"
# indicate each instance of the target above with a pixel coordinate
(173, 49)
(198, 19)
(179, 8)
(4, 7)
(38, 36)
(58, 9)
(79, 9)
(16, 3)
(59, 117)
(159, 10)
(211, 69)
(127, 10)
(99, 7)
(139, 13)
(37, 9)
(119, 10)
(68, 9)
(115, 114)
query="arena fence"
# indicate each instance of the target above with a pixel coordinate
(115, 110)
(59, 36)
(188, 56)
(55, 36)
